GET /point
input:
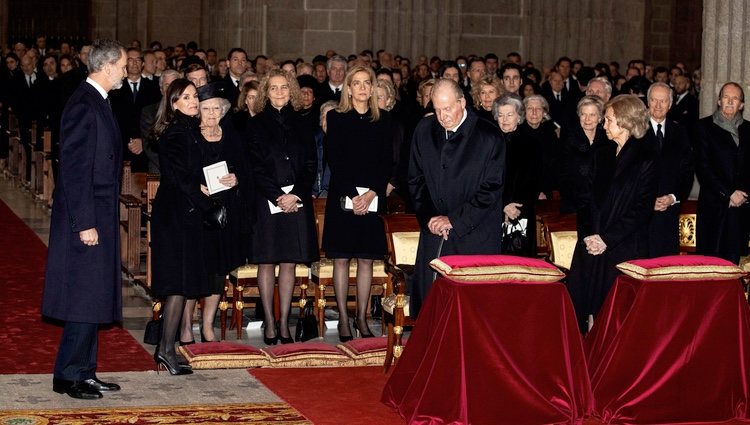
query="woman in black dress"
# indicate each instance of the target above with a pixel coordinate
(614, 216)
(521, 170)
(222, 247)
(177, 217)
(359, 149)
(539, 127)
(283, 160)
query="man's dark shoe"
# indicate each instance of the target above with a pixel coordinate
(75, 389)
(98, 385)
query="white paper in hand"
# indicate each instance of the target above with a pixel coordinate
(213, 173)
(348, 205)
(274, 209)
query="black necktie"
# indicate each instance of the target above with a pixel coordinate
(135, 90)
(558, 97)
(237, 83)
(659, 136)
(448, 134)
(28, 80)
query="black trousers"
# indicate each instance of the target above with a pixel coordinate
(76, 357)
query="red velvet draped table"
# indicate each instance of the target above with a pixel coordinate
(671, 352)
(492, 353)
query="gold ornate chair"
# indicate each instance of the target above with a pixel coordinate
(402, 236)
(561, 237)
(687, 224)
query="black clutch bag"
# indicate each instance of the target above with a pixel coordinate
(307, 327)
(216, 216)
(152, 334)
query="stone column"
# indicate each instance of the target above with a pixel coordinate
(4, 23)
(726, 27)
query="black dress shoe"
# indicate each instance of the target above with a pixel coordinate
(101, 386)
(75, 389)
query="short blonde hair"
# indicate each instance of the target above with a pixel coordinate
(631, 114)
(487, 80)
(390, 93)
(294, 93)
(345, 104)
(594, 101)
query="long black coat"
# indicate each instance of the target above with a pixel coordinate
(617, 207)
(722, 167)
(674, 174)
(225, 248)
(577, 165)
(462, 178)
(177, 240)
(83, 283)
(360, 154)
(522, 176)
(283, 153)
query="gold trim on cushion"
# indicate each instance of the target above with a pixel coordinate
(224, 360)
(696, 272)
(405, 247)
(495, 273)
(372, 358)
(310, 360)
(250, 271)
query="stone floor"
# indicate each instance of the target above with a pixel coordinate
(136, 301)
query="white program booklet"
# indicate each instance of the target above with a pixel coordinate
(213, 173)
(274, 209)
(360, 190)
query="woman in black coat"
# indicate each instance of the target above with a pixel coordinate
(177, 218)
(521, 170)
(614, 216)
(579, 142)
(542, 132)
(359, 149)
(283, 160)
(723, 170)
(223, 249)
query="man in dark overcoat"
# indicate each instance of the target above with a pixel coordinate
(674, 172)
(456, 178)
(722, 161)
(83, 285)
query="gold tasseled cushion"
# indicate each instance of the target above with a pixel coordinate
(365, 351)
(563, 246)
(250, 271)
(306, 354)
(389, 304)
(223, 355)
(323, 269)
(405, 247)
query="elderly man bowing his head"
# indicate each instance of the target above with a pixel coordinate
(456, 178)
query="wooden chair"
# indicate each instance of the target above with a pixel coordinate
(544, 208)
(322, 271)
(243, 283)
(402, 236)
(561, 236)
(687, 223)
(130, 223)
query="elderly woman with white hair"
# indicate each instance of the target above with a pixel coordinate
(223, 248)
(540, 129)
(521, 174)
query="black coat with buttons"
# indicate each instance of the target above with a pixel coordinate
(83, 283)
(283, 153)
(462, 178)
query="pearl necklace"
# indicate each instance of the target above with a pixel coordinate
(208, 133)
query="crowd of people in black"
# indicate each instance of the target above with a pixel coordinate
(621, 151)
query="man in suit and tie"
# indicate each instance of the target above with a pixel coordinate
(127, 103)
(459, 207)
(674, 167)
(685, 106)
(237, 61)
(331, 89)
(29, 104)
(83, 284)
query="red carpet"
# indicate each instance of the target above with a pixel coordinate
(29, 345)
(344, 395)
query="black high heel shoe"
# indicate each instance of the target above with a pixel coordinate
(162, 361)
(283, 340)
(344, 338)
(270, 341)
(203, 337)
(360, 330)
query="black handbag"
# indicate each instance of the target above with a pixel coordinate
(152, 334)
(515, 241)
(216, 216)
(307, 327)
